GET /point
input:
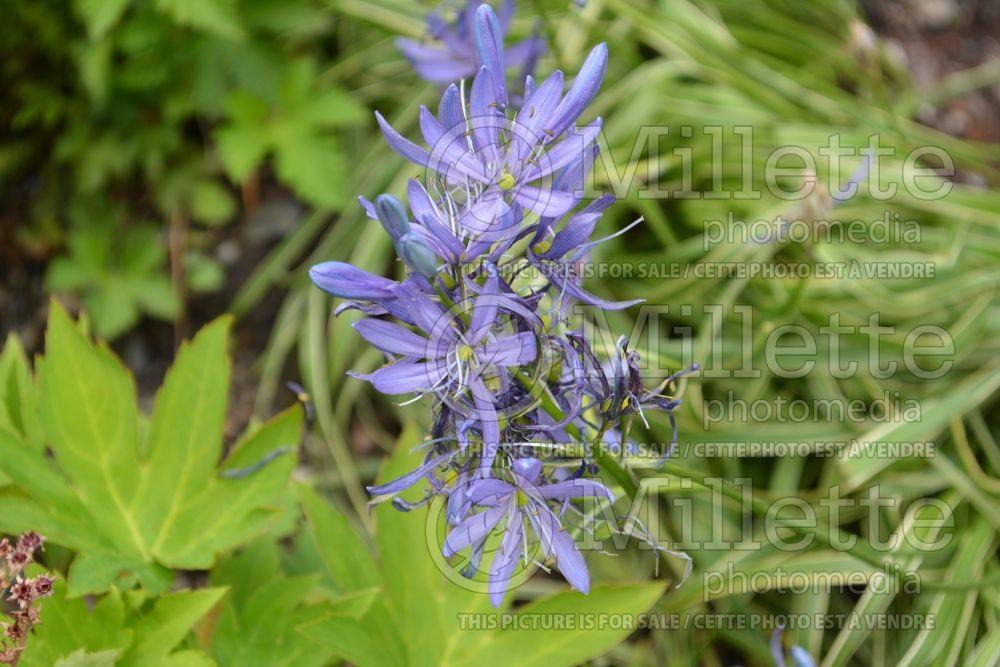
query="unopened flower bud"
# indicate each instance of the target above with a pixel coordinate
(415, 252)
(392, 215)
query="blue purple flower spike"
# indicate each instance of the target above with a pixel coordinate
(492, 244)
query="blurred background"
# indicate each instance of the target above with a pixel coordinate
(165, 161)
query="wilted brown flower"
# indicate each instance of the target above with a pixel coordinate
(28, 616)
(15, 631)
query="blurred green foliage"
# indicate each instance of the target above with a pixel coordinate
(135, 500)
(128, 117)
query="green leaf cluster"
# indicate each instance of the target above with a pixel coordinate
(166, 107)
(137, 498)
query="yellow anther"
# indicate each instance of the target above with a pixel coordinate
(506, 181)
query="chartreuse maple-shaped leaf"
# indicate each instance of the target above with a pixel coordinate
(75, 635)
(134, 503)
(17, 394)
(257, 621)
(17, 397)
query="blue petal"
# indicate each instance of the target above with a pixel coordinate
(392, 338)
(450, 110)
(505, 559)
(489, 423)
(546, 203)
(349, 282)
(585, 86)
(557, 278)
(535, 115)
(777, 652)
(417, 52)
(420, 202)
(512, 350)
(801, 657)
(392, 215)
(429, 216)
(516, 305)
(401, 144)
(489, 218)
(484, 310)
(472, 530)
(573, 177)
(573, 148)
(489, 49)
(410, 478)
(576, 232)
(404, 377)
(556, 541)
(570, 561)
(489, 491)
(368, 207)
(528, 469)
(449, 155)
(575, 488)
(446, 71)
(458, 500)
(485, 117)
(418, 253)
(529, 86)
(428, 315)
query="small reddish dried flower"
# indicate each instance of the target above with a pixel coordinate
(18, 559)
(29, 542)
(42, 586)
(14, 557)
(23, 592)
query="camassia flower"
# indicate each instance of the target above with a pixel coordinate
(453, 361)
(451, 53)
(494, 161)
(523, 501)
(493, 243)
